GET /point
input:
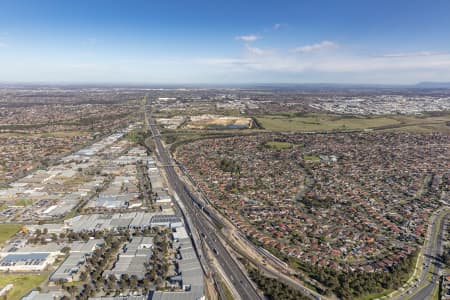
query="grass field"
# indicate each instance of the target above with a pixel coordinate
(422, 128)
(178, 136)
(330, 122)
(47, 134)
(7, 231)
(376, 295)
(311, 158)
(278, 145)
(23, 202)
(22, 284)
(321, 122)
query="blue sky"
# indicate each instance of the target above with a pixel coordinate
(346, 41)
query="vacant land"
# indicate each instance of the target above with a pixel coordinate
(330, 122)
(7, 231)
(218, 122)
(22, 284)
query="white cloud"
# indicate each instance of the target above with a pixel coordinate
(264, 60)
(258, 51)
(248, 38)
(315, 47)
(3, 45)
(413, 54)
(225, 62)
(279, 26)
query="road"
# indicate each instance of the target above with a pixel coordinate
(421, 291)
(242, 285)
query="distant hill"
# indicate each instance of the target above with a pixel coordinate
(433, 85)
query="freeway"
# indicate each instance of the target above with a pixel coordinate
(241, 283)
(423, 289)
